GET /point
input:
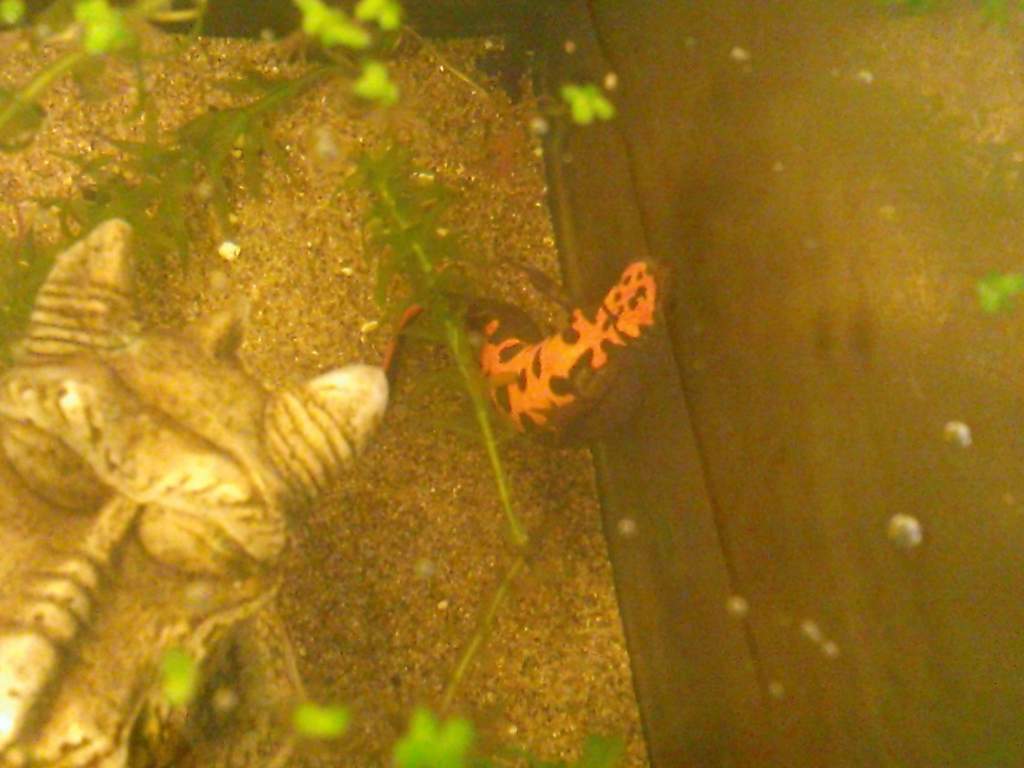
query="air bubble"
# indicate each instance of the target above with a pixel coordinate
(539, 126)
(229, 250)
(958, 433)
(810, 629)
(627, 527)
(739, 54)
(737, 606)
(904, 531)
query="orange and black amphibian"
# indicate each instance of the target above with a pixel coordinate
(580, 382)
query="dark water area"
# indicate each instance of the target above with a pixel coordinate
(830, 182)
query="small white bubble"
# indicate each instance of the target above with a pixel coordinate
(776, 690)
(627, 527)
(229, 250)
(905, 531)
(810, 629)
(611, 81)
(737, 606)
(739, 54)
(865, 77)
(957, 432)
(830, 649)
(347, 271)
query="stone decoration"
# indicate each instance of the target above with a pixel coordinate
(147, 481)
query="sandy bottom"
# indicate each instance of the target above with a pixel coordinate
(389, 573)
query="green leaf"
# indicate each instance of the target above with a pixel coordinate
(179, 676)
(386, 13)
(996, 290)
(104, 28)
(429, 744)
(320, 722)
(331, 26)
(996, 11)
(19, 120)
(587, 103)
(11, 11)
(375, 85)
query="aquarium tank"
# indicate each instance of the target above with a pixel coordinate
(455, 383)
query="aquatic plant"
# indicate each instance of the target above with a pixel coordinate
(99, 30)
(431, 744)
(152, 185)
(320, 721)
(996, 290)
(179, 676)
(332, 28)
(11, 11)
(586, 103)
(406, 229)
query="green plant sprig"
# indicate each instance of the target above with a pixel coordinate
(404, 224)
(153, 184)
(103, 30)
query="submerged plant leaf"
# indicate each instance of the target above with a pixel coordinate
(419, 262)
(387, 13)
(995, 291)
(331, 26)
(430, 744)
(104, 27)
(317, 721)
(179, 676)
(587, 103)
(374, 84)
(11, 11)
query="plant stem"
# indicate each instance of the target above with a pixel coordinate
(27, 95)
(483, 630)
(458, 344)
